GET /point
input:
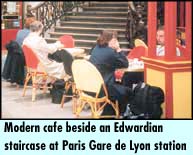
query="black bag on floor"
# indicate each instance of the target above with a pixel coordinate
(146, 102)
(57, 91)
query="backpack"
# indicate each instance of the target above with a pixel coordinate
(57, 91)
(146, 101)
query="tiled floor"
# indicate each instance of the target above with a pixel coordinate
(15, 106)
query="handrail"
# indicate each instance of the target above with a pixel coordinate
(37, 6)
(50, 12)
(136, 22)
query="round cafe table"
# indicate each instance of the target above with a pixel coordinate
(75, 52)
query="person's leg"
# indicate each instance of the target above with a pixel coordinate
(64, 57)
(121, 93)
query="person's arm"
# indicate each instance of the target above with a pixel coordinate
(120, 58)
(51, 47)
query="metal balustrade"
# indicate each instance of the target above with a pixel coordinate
(50, 12)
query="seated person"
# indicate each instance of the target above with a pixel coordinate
(14, 68)
(107, 57)
(22, 34)
(42, 49)
(160, 49)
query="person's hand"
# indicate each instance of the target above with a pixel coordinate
(115, 44)
(59, 45)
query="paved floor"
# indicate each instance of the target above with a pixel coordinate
(15, 106)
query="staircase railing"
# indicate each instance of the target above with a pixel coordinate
(136, 26)
(50, 12)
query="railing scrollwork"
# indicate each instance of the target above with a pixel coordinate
(136, 26)
(50, 12)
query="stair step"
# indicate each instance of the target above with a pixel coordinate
(87, 43)
(83, 36)
(107, 9)
(86, 26)
(101, 19)
(86, 30)
(110, 4)
(93, 24)
(103, 14)
(78, 43)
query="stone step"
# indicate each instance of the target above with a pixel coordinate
(91, 43)
(86, 26)
(110, 4)
(86, 48)
(103, 14)
(96, 19)
(93, 24)
(83, 36)
(86, 30)
(107, 9)
(87, 43)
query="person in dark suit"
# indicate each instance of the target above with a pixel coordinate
(107, 57)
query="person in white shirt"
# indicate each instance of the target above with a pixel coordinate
(41, 48)
(160, 49)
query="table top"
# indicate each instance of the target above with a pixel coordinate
(134, 66)
(75, 51)
(87, 57)
(132, 69)
(129, 69)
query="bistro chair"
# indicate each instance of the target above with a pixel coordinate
(139, 42)
(67, 40)
(39, 78)
(89, 83)
(137, 52)
(69, 84)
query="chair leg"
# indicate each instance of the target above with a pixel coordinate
(62, 101)
(67, 86)
(74, 104)
(79, 108)
(74, 99)
(28, 76)
(95, 112)
(117, 109)
(44, 84)
(33, 94)
(34, 85)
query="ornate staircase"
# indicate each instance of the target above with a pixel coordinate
(86, 25)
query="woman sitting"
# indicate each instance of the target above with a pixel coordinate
(107, 57)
